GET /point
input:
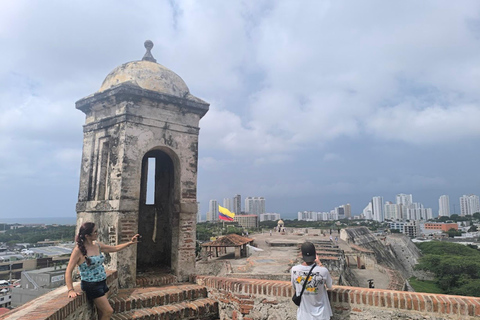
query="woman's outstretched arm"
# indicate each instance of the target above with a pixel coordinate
(108, 249)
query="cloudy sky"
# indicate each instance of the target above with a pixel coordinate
(312, 105)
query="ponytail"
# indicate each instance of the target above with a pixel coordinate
(85, 229)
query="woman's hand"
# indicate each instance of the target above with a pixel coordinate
(318, 262)
(72, 293)
(135, 239)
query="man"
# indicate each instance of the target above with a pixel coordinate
(315, 304)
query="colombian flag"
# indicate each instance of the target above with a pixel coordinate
(225, 214)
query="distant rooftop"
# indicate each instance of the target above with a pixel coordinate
(54, 250)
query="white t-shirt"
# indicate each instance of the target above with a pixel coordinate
(315, 304)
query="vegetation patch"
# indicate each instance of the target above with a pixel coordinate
(427, 286)
(456, 267)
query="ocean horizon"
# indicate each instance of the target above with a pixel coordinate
(41, 220)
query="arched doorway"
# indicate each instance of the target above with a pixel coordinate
(156, 213)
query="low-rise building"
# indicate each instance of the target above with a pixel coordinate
(35, 283)
(247, 220)
(440, 226)
(411, 228)
(269, 217)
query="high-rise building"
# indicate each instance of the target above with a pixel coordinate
(404, 199)
(367, 212)
(348, 210)
(227, 203)
(212, 214)
(255, 205)
(419, 213)
(237, 204)
(340, 212)
(377, 209)
(392, 211)
(444, 206)
(307, 216)
(269, 216)
(469, 205)
(199, 213)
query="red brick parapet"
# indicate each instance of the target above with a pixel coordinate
(247, 298)
(244, 299)
(56, 305)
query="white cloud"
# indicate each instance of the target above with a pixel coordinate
(433, 124)
(285, 81)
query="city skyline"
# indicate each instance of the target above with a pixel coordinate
(311, 106)
(401, 198)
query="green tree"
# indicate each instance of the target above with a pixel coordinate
(456, 267)
(454, 233)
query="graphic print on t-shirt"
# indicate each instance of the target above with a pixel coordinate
(314, 280)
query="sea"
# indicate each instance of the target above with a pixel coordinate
(41, 220)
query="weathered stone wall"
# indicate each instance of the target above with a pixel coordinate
(406, 252)
(248, 299)
(124, 125)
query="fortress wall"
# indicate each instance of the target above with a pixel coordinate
(248, 299)
(56, 305)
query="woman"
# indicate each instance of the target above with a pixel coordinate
(87, 255)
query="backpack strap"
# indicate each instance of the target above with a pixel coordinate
(306, 279)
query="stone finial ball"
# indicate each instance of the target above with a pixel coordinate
(148, 44)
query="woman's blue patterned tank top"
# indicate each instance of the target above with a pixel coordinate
(94, 272)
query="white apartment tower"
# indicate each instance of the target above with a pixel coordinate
(269, 216)
(237, 204)
(212, 214)
(255, 205)
(377, 209)
(199, 213)
(404, 199)
(392, 211)
(367, 212)
(307, 216)
(444, 206)
(469, 205)
(227, 203)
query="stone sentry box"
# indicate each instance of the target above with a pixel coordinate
(143, 122)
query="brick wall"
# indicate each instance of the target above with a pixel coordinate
(248, 299)
(56, 305)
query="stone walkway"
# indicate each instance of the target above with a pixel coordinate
(278, 260)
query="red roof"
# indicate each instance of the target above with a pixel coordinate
(3, 310)
(231, 240)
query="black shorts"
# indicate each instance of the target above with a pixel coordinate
(94, 290)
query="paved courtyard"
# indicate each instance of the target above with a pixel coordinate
(278, 259)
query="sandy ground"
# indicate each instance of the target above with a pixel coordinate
(279, 260)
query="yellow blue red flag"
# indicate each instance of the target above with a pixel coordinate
(225, 214)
